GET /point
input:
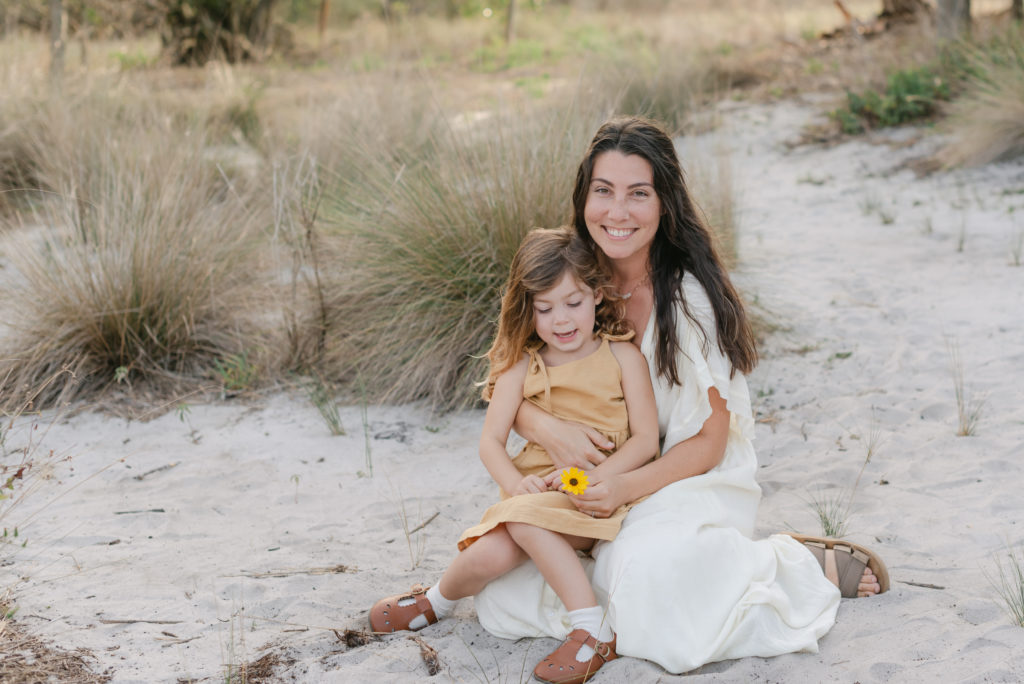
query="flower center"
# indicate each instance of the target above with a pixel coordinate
(573, 481)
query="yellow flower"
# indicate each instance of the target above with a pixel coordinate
(575, 480)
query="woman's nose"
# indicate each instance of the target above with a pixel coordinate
(618, 210)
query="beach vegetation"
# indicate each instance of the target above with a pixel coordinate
(909, 95)
(321, 395)
(1008, 582)
(986, 121)
(968, 407)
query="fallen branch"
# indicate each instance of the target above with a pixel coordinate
(332, 570)
(429, 655)
(923, 585)
(148, 622)
(156, 470)
(424, 524)
(147, 510)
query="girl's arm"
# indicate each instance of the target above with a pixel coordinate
(638, 393)
(501, 412)
(694, 456)
(567, 443)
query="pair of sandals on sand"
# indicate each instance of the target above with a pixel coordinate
(843, 563)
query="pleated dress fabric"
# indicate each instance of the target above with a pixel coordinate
(683, 583)
(588, 391)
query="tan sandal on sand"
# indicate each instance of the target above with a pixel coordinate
(388, 616)
(561, 667)
(844, 562)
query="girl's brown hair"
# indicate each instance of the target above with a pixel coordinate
(682, 244)
(544, 256)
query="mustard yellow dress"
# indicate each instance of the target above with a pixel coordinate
(588, 391)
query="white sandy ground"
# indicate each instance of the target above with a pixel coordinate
(870, 305)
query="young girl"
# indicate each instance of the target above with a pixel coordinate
(561, 345)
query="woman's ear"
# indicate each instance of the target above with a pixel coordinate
(598, 297)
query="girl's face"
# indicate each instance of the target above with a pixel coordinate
(564, 315)
(622, 211)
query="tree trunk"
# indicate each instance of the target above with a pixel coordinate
(56, 43)
(901, 8)
(954, 19)
(510, 26)
(321, 23)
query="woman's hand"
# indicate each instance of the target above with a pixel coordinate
(569, 444)
(573, 444)
(531, 484)
(602, 496)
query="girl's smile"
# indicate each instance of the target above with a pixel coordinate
(564, 319)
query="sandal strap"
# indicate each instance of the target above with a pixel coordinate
(601, 648)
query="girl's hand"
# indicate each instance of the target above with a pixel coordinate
(572, 444)
(531, 484)
(602, 497)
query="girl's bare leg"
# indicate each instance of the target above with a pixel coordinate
(486, 559)
(555, 557)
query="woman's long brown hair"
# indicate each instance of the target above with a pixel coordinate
(682, 244)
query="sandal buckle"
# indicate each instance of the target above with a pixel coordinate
(603, 649)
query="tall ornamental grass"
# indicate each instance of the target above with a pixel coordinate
(132, 264)
(987, 121)
(429, 241)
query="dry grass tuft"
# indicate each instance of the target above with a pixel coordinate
(1009, 583)
(987, 121)
(134, 266)
(431, 237)
(25, 659)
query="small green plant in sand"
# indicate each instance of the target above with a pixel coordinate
(235, 373)
(834, 510)
(322, 397)
(1016, 246)
(909, 95)
(183, 412)
(365, 419)
(968, 408)
(1008, 582)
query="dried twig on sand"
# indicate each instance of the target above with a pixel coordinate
(429, 655)
(331, 570)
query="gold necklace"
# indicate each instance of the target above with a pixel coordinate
(643, 281)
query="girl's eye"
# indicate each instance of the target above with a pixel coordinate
(575, 304)
(542, 311)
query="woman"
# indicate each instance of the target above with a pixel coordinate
(683, 583)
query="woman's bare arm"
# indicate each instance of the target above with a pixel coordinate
(568, 443)
(694, 456)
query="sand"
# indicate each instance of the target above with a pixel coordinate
(175, 548)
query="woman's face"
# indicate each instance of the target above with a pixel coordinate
(622, 211)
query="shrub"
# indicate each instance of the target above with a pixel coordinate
(909, 95)
(133, 267)
(987, 121)
(431, 237)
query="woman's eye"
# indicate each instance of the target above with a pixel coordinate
(641, 193)
(542, 311)
(601, 190)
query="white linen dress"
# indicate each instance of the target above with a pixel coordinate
(683, 583)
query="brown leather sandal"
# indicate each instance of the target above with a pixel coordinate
(387, 616)
(561, 667)
(844, 562)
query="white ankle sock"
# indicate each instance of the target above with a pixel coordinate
(442, 607)
(594, 621)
